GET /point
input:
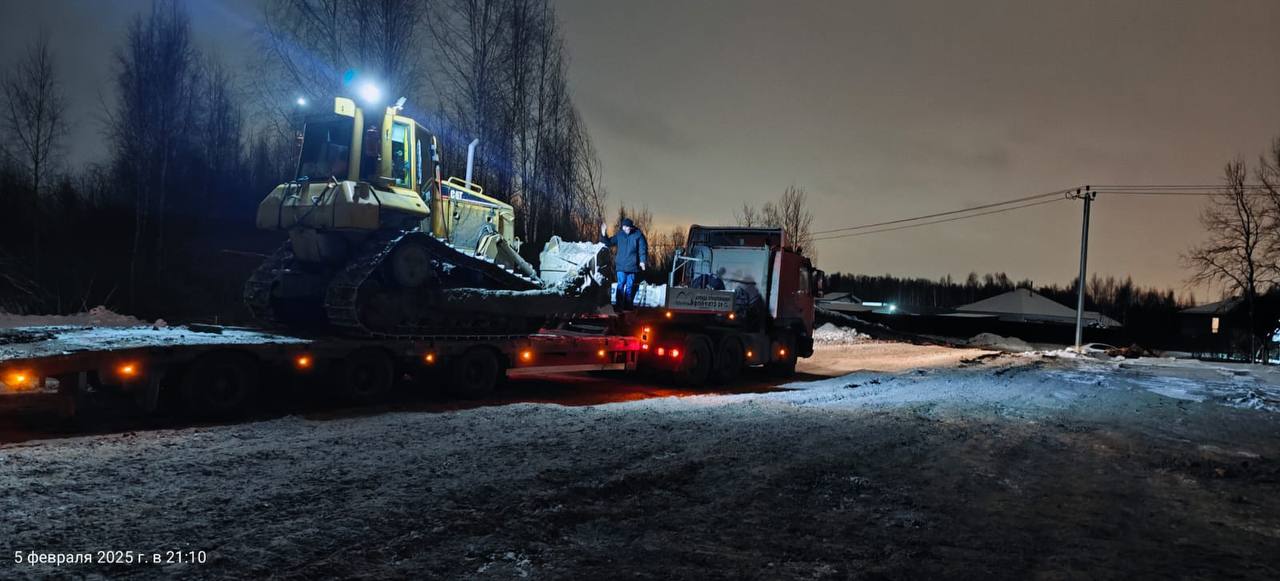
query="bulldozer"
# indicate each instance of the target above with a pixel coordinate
(380, 244)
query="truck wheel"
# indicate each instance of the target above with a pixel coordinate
(220, 384)
(786, 366)
(695, 368)
(730, 357)
(367, 376)
(475, 374)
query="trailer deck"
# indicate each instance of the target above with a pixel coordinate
(217, 370)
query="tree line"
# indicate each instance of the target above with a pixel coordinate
(1119, 299)
(164, 224)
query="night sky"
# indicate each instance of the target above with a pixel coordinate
(879, 109)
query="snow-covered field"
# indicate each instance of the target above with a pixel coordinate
(905, 461)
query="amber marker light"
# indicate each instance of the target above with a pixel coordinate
(526, 355)
(429, 358)
(601, 353)
(302, 362)
(128, 370)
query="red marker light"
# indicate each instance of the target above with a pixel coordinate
(662, 351)
(675, 353)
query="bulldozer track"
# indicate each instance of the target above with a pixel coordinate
(257, 290)
(342, 299)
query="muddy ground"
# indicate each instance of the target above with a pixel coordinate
(932, 464)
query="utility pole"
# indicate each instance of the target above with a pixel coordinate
(1088, 195)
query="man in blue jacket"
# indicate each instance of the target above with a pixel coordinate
(633, 253)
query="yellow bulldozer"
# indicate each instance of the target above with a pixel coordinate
(380, 244)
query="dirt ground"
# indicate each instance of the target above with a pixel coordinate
(881, 461)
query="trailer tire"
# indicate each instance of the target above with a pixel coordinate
(367, 376)
(696, 366)
(730, 358)
(475, 374)
(220, 384)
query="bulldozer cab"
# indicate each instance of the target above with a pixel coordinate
(387, 150)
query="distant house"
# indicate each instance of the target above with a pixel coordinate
(846, 302)
(1024, 305)
(1215, 329)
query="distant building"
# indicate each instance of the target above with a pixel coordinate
(1024, 305)
(1215, 329)
(846, 302)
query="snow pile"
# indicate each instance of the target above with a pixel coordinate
(98, 316)
(993, 341)
(831, 334)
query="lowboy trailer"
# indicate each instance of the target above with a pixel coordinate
(217, 371)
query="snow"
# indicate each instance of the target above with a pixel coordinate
(30, 342)
(98, 316)
(922, 461)
(832, 334)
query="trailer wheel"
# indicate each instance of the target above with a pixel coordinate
(367, 375)
(730, 357)
(220, 384)
(786, 366)
(697, 363)
(475, 374)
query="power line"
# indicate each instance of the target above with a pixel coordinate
(940, 214)
(952, 219)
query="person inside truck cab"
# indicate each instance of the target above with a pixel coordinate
(633, 254)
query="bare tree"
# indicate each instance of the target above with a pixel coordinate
(791, 213)
(747, 217)
(796, 219)
(1268, 175)
(1239, 225)
(150, 127)
(35, 123)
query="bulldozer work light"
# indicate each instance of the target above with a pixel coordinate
(370, 93)
(301, 102)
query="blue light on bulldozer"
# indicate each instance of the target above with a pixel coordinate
(370, 93)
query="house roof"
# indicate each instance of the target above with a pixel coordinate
(843, 297)
(1219, 308)
(1026, 303)
(1022, 301)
